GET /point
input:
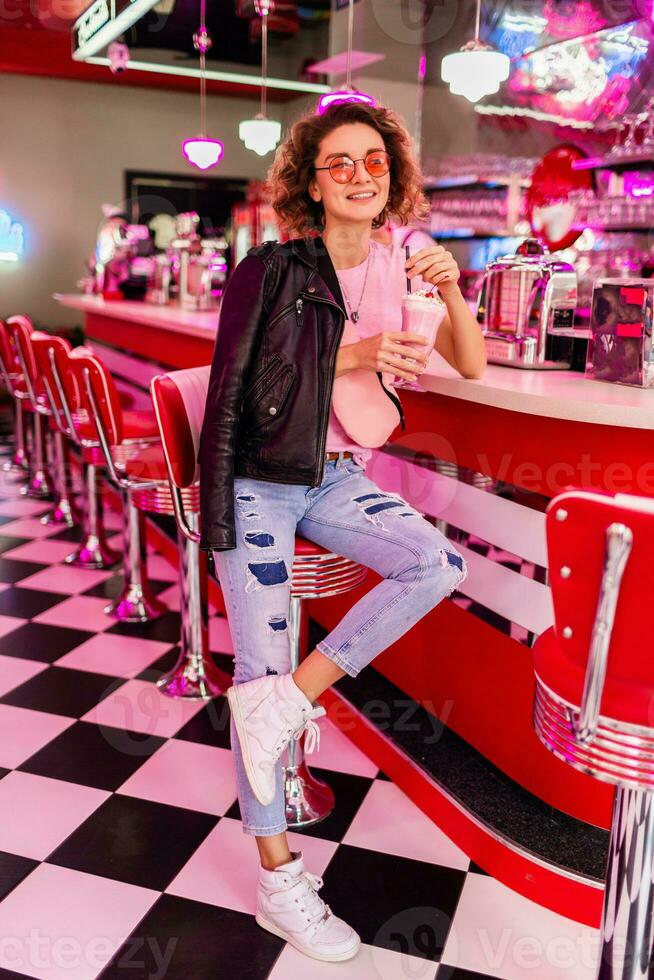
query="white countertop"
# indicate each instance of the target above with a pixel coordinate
(556, 394)
(170, 317)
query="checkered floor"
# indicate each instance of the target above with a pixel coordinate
(121, 850)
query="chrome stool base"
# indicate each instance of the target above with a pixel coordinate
(137, 604)
(627, 927)
(19, 463)
(308, 800)
(195, 676)
(93, 552)
(65, 511)
(39, 484)
(192, 678)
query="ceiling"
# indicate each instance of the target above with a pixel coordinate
(34, 41)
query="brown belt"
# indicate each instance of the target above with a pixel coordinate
(344, 454)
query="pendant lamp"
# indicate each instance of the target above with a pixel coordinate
(201, 151)
(477, 69)
(347, 93)
(261, 134)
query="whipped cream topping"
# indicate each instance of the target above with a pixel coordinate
(425, 295)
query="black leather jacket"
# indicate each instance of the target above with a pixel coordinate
(269, 397)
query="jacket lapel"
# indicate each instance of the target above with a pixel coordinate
(323, 280)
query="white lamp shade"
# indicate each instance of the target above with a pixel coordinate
(475, 73)
(203, 152)
(260, 135)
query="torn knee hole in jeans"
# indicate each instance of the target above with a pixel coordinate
(245, 499)
(259, 539)
(266, 574)
(455, 560)
(277, 625)
(372, 505)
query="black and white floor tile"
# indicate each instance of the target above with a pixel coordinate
(121, 849)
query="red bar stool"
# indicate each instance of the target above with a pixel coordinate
(195, 675)
(595, 692)
(177, 416)
(179, 399)
(19, 463)
(119, 435)
(51, 353)
(26, 391)
(64, 511)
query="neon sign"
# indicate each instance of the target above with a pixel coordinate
(11, 238)
(581, 80)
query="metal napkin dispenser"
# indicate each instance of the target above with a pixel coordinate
(527, 302)
(620, 347)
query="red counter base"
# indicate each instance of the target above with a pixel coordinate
(572, 896)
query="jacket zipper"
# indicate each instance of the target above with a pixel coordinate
(298, 304)
(256, 381)
(325, 414)
(287, 309)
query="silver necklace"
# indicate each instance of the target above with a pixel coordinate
(354, 314)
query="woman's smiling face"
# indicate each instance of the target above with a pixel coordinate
(362, 198)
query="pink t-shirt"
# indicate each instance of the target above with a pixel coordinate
(380, 310)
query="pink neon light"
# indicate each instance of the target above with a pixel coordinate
(636, 185)
(337, 98)
(203, 152)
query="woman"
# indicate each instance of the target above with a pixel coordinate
(276, 460)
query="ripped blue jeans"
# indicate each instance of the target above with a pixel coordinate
(351, 516)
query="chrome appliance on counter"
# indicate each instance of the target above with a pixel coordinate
(120, 262)
(194, 269)
(526, 308)
(620, 348)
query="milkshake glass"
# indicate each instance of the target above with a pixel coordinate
(422, 313)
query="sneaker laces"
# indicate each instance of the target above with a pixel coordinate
(307, 724)
(316, 908)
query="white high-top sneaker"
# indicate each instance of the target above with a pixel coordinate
(268, 712)
(289, 906)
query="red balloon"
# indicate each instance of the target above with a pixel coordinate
(549, 208)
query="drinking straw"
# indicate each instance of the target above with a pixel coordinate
(407, 250)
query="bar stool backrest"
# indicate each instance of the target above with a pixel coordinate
(600, 558)
(51, 356)
(6, 358)
(98, 394)
(11, 364)
(179, 399)
(20, 330)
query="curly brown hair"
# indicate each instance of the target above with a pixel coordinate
(292, 170)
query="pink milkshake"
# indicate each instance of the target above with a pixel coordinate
(422, 313)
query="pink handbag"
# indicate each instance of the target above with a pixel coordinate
(360, 403)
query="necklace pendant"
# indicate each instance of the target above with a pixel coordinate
(355, 316)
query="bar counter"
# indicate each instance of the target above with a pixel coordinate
(468, 664)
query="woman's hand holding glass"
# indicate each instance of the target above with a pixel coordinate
(390, 351)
